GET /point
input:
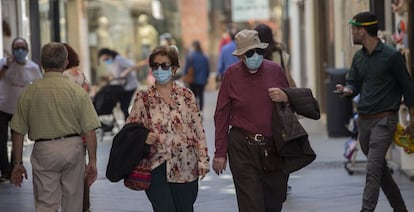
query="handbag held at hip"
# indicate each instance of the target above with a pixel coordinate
(140, 176)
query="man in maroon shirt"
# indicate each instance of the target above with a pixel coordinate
(245, 102)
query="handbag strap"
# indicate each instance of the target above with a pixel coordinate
(281, 60)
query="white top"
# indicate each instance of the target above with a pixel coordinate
(120, 64)
(13, 82)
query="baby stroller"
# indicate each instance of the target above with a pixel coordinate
(353, 165)
(104, 102)
(352, 145)
(351, 148)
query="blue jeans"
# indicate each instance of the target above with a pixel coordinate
(375, 137)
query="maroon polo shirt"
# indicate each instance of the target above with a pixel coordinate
(244, 102)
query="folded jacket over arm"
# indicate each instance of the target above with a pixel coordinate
(128, 148)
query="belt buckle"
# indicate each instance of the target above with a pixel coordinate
(57, 139)
(259, 138)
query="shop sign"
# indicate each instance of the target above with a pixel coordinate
(246, 10)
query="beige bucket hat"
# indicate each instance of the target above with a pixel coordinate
(246, 40)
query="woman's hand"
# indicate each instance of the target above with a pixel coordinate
(202, 173)
(152, 138)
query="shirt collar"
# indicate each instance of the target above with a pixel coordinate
(153, 90)
(378, 48)
(53, 74)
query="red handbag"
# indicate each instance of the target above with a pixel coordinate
(140, 176)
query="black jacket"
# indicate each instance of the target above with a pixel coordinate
(128, 148)
(290, 137)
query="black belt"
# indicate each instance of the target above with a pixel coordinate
(253, 138)
(379, 115)
(57, 138)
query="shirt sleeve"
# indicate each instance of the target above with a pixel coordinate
(19, 121)
(198, 132)
(138, 112)
(222, 117)
(404, 80)
(88, 116)
(353, 78)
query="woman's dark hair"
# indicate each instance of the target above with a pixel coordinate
(107, 51)
(72, 56)
(266, 36)
(22, 39)
(168, 51)
(197, 46)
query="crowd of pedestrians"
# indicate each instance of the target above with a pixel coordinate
(54, 109)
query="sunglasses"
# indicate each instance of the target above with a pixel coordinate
(164, 66)
(19, 48)
(252, 51)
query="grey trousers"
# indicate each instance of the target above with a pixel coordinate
(375, 137)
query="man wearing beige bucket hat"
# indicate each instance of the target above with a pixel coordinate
(245, 102)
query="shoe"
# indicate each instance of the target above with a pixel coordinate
(2, 180)
(5, 176)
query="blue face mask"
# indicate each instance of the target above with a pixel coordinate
(20, 55)
(254, 62)
(162, 76)
(109, 61)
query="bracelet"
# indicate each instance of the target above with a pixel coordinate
(18, 163)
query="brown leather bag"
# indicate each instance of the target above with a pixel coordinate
(189, 76)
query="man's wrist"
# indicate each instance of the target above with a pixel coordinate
(5, 67)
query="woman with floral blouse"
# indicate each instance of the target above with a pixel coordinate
(179, 154)
(74, 74)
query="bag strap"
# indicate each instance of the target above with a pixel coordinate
(281, 60)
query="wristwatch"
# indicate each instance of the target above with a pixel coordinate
(5, 67)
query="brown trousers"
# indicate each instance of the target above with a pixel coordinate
(256, 189)
(58, 173)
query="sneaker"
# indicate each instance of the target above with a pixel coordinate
(5, 176)
(2, 180)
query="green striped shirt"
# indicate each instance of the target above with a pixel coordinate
(381, 78)
(53, 107)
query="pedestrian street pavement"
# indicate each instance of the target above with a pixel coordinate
(323, 186)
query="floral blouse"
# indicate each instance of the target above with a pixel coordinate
(77, 76)
(182, 143)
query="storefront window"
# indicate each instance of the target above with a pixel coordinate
(132, 28)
